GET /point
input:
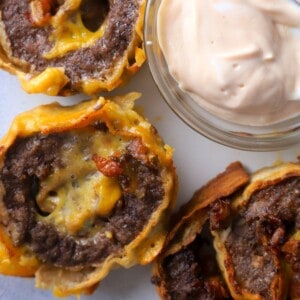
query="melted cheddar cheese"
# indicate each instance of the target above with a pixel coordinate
(68, 30)
(15, 261)
(50, 82)
(81, 192)
(72, 35)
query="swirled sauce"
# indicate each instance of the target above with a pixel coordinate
(239, 59)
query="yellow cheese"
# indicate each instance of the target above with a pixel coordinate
(296, 236)
(50, 82)
(71, 35)
(4, 256)
(28, 261)
(81, 192)
(15, 261)
(78, 205)
(91, 86)
(109, 192)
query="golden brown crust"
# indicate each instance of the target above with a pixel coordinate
(223, 185)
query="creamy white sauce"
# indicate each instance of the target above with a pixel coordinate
(239, 59)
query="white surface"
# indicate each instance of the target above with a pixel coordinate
(197, 159)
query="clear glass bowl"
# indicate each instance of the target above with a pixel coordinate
(263, 138)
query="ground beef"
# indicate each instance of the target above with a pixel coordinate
(193, 273)
(259, 232)
(254, 264)
(30, 160)
(29, 42)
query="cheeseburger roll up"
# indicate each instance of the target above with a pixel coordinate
(61, 47)
(259, 251)
(236, 240)
(82, 189)
(187, 267)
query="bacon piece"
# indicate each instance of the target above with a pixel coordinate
(41, 11)
(107, 166)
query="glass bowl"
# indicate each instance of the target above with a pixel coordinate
(252, 138)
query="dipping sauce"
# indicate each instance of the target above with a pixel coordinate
(239, 59)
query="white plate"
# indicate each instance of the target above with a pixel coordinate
(197, 160)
